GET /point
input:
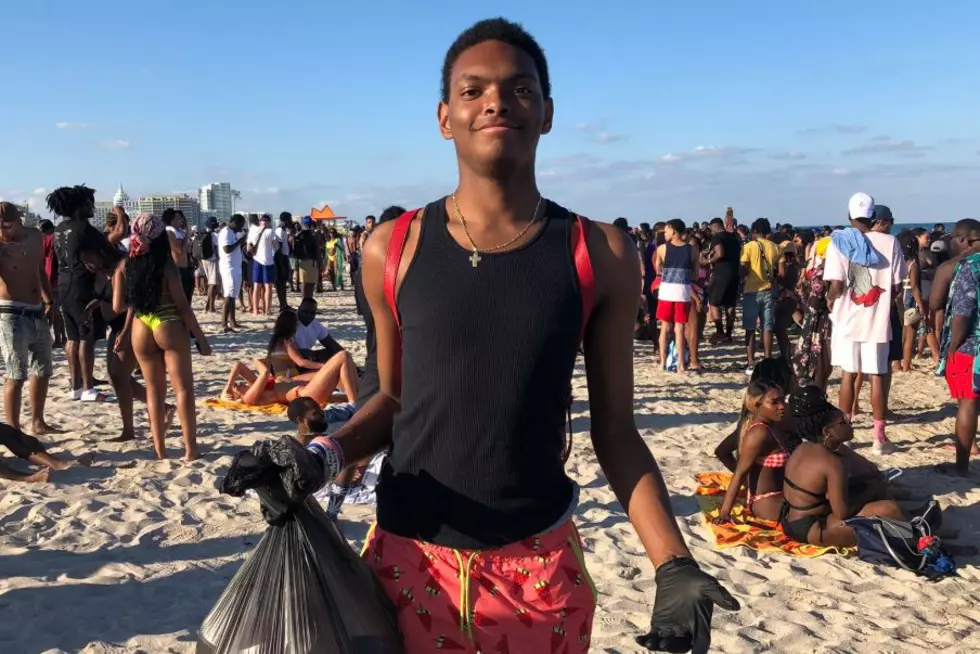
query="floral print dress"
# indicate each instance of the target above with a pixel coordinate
(816, 321)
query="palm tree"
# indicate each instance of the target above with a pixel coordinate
(235, 196)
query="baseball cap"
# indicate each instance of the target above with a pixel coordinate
(307, 220)
(883, 214)
(938, 246)
(861, 206)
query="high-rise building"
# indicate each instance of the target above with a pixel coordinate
(157, 204)
(217, 199)
(119, 199)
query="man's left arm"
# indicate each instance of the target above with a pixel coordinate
(685, 595)
(42, 274)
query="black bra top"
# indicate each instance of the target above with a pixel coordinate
(808, 507)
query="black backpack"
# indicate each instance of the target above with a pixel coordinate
(304, 245)
(202, 248)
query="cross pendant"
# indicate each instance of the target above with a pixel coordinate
(475, 258)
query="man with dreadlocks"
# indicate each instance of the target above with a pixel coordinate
(25, 302)
(76, 283)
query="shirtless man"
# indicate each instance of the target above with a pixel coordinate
(179, 247)
(25, 303)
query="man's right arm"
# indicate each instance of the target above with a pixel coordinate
(369, 430)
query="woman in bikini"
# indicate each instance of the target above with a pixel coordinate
(262, 388)
(816, 494)
(762, 456)
(147, 286)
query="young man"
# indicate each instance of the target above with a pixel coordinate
(263, 244)
(761, 265)
(865, 270)
(210, 263)
(677, 267)
(51, 272)
(284, 234)
(176, 225)
(724, 257)
(474, 501)
(305, 250)
(961, 340)
(311, 332)
(231, 240)
(25, 303)
(76, 284)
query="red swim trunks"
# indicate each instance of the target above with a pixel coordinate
(959, 376)
(675, 312)
(535, 596)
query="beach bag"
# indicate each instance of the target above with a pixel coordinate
(202, 248)
(304, 245)
(250, 247)
(907, 545)
(585, 275)
(302, 590)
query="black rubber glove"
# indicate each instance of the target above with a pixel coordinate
(683, 607)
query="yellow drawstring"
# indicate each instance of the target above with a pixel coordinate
(464, 592)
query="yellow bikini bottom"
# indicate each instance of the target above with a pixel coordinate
(156, 318)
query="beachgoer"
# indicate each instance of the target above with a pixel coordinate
(30, 449)
(283, 353)
(76, 284)
(51, 271)
(161, 323)
(724, 257)
(310, 332)
(263, 244)
(306, 251)
(961, 342)
(25, 303)
(762, 265)
(261, 387)
(865, 270)
(210, 253)
(474, 501)
(334, 252)
(914, 310)
(231, 240)
(762, 456)
(816, 483)
(284, 234)
(677, 265)
(811, 360)
(180, 242)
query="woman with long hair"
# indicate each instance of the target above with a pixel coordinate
(282, 354)
(762, 455)
(915, 309)
(261, 387)
(811, 360)
(148, 286)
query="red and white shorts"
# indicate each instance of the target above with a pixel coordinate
(675, 312)
(959, 376)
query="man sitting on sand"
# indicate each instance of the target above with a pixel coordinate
(310, 332)
(30, 449)
(261, 388)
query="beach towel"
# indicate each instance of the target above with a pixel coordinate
(228, 405)
(332, 496)
(745, 529)
(855, 247)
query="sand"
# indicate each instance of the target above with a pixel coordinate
(131, 554)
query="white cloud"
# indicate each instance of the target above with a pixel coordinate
(584, 127)
(885, 144)
(840, 172)
(793, 155)
(707, 152)
(835, 129)
(608, 137)
(116, 144)
(268, 190)
(40, 190)
(670, 158)
(64, 124)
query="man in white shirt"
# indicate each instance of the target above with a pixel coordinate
(311, 331)
(865, 270)
(285, 236)
(210, 264)
(263, 244)
(231, 239)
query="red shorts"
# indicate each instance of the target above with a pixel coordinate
(675, 312)
(532, 596)
(959, 376)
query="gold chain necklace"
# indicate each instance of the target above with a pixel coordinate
(475, 257)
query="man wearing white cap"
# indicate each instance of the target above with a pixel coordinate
(865, 270)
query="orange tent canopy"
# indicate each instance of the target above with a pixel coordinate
(326, 213)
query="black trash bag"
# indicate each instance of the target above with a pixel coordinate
(303, 590)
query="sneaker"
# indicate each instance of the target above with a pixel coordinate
(881, 448)
(749, 370)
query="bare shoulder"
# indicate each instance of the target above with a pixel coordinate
(614, 260)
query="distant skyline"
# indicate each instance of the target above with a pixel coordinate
(662, 109)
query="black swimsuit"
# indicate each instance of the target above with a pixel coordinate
(799, 529)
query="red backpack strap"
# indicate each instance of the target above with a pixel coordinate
(393, 260)
(583, 270)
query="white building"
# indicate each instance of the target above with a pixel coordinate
(157, 204)
(119, 199)
(218, 199)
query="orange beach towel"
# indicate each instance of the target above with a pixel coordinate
(745, 529)
(268, 409)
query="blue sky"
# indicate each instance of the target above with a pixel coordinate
(663, 109)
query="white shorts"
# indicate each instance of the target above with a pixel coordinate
(231, 281)
(853, 357)
(210, 269)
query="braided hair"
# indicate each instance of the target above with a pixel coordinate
(68, 200)
(812, 412)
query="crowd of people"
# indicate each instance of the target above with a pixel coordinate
(466, 383)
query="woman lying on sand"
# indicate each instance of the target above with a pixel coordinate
(762, 455)
(261, 388)
(816, 491)
(28, 448)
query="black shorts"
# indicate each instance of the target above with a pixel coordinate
(77, 326)
(187, 282)
(723, 291)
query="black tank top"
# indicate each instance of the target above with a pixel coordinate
(488, 355)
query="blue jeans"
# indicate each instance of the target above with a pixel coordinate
(758, 305)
